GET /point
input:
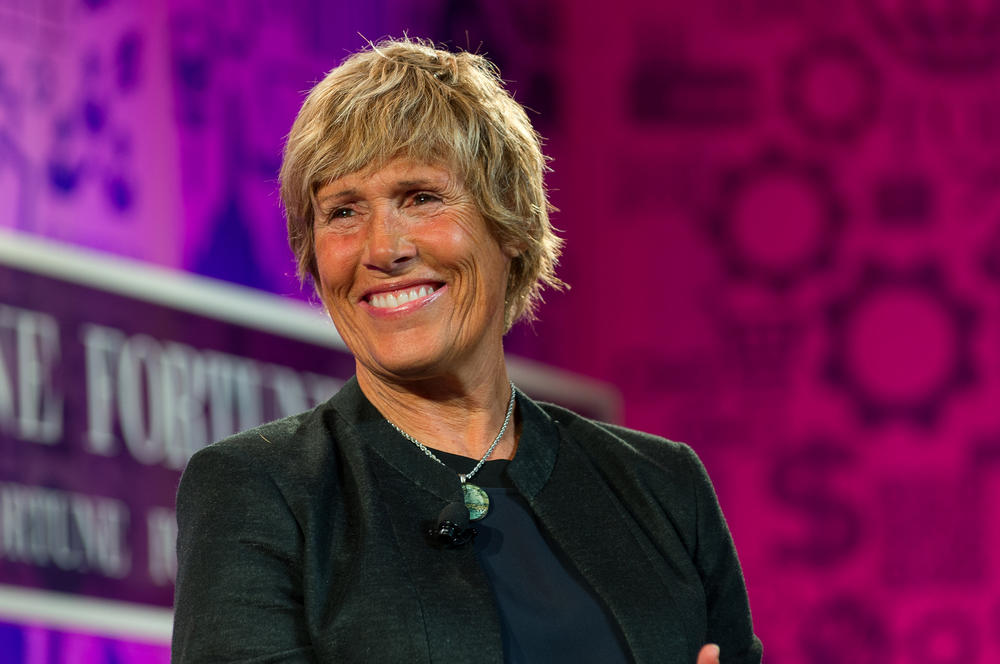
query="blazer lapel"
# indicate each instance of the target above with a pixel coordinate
(459, 613)
(599, 536)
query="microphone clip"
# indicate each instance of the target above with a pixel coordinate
(451, 535)
(451, 529)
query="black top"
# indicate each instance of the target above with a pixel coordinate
(548, 613)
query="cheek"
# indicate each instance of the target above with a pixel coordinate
(465, 243)
(333, 262)
(446, 241)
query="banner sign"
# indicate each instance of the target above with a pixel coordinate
(113, 373)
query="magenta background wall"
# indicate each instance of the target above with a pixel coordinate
(783, 228)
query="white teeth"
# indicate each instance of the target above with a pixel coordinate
(390, 300)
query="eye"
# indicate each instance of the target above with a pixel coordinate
(423, 198)
(340, 213)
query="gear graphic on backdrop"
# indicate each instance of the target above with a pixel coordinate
(760, 245)
(951, 38)
(901, 344)
(832, 90)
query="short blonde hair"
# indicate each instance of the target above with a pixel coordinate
(406, 98)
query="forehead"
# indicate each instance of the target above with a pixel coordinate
(399, 172)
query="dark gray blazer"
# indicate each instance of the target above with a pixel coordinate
(303, 541)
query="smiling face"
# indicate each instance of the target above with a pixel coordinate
(409, 272)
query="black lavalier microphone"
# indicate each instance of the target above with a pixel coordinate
(452, 529)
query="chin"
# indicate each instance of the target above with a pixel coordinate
(406, 366)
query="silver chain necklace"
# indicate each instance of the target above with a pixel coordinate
(476, 500)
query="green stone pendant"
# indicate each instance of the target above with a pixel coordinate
(476, 501)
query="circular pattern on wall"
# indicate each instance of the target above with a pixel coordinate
(943, 636)
(901, 344)
(832, 89)
(777, 220)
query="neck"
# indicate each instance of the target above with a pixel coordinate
(448, 413)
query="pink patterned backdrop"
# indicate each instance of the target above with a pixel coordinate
(783, 227)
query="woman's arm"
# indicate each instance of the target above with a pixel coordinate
(729, 623)
(239, 593)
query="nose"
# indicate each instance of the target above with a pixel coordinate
(388, 247)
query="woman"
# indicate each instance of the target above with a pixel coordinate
(413, 189)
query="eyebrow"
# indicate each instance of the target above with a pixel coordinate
(416, 184)
(402, 184)
(344, 193)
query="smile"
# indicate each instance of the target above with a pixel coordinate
(393, 299)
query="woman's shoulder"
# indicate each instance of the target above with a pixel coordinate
(620, 441)
(287, 449)
(277, 435)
